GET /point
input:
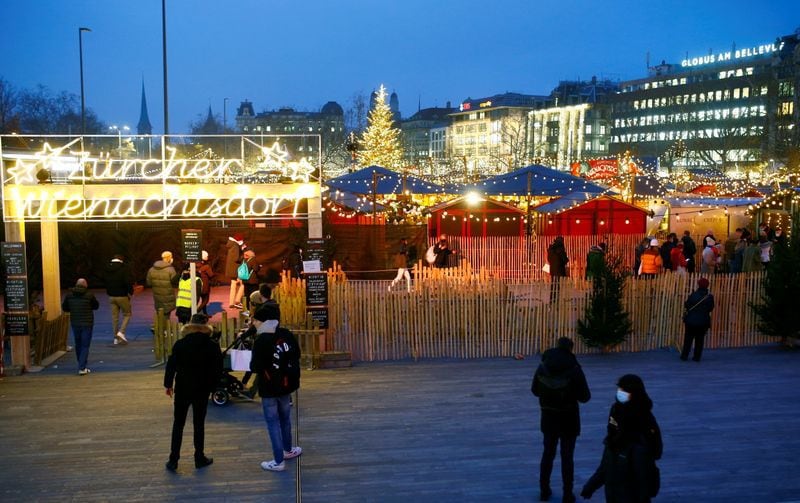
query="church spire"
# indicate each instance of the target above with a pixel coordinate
(144, 126)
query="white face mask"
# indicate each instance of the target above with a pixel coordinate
(623, 396)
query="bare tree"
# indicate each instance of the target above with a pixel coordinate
(9, 120)
(511, 151)
(355, 118)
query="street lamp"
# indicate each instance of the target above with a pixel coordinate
(83, 99)
(119, 134)
(225, 115)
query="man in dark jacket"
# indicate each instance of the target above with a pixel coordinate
(689, 250)
(119, 287)
(206, 274)
(197, 361)
(442, 250)
(80, 303)
(160, 277)
(697, 320)
(276, 363)
(557, 260)
(560, 384)
(666, 251)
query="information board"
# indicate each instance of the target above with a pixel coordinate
(192, 244)
(320, 315)
(316, 289)
(13, 256)
(16, 299)
(16, 324)
(315, 250)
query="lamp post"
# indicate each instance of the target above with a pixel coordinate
(83, 98)
(164, 57)
(119, 134)
(351, 145)
(225, 127)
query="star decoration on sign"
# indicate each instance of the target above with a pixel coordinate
(274, 158)
(300, 171)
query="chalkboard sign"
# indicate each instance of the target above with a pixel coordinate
(320, 315)
(16, 299)
(316, 289)
(16, 324)
(192, 244)
(14, 259)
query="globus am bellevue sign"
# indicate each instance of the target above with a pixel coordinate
(732, 55)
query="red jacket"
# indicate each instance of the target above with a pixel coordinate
(677, 258)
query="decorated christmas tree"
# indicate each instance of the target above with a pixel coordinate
(606, 323)
(380, 143)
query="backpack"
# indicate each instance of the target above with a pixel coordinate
(243, 271)
(282, 375)
(430, 256)
(553, 389)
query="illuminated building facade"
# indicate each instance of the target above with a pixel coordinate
(726, 109)
(326, 125)
(489, 135)
(424, 136)
(575, 126)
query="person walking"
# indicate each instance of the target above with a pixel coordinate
(557, 260)
(689, 251)
(233, 257)
(206, 274)
(276, 363)
(160, 277)
(560, 384)
(253, 279)
(765, 246)
(632, 446)
(442, 251)
(403, 261)
(80, 303)
(642, 247)
(195, 367)
(119, 288)
(697, 319)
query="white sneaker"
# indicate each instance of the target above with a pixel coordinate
(120, 338)
(83, 372)
(296, 451)
(272, 466)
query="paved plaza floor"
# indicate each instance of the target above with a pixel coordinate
(443, 430)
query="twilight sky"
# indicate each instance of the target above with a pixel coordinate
(304, 53)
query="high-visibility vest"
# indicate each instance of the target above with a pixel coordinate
(185, 292)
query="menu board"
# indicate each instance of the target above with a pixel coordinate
(192, 244)
(16, 299)
(16, 324)
(316, 289)
(315, 250)
(13, 255)
(320, 315)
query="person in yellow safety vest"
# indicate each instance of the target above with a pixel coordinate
(183, 303)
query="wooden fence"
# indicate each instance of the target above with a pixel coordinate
(458, 313)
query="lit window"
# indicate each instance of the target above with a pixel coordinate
(588, 129)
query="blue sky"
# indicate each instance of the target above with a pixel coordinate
(304, 53)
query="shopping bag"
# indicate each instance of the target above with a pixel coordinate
(240, 359)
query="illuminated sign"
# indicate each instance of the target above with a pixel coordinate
(102, 188)
(732, 55)
(465, 106)
(485, 104)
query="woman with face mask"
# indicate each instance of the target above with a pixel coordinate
(632, 445)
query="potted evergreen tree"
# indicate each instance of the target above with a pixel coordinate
(606, 323)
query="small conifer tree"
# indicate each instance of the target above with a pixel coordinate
(606, 323)
(778, 315)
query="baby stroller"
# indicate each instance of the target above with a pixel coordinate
(229, 385)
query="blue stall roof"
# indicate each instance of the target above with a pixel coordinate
(544, 181)
(386, 182)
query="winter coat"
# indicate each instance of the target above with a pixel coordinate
(255, 272)
(666, 255)
(751, 260)
(233, 257)
(557, 258)
(709, 260)
(266, 360)
(651, 261)
(677, 259)
(80, 303)
(206, 274)
(700, 315)
(689, 248)
(442, 251)
(160, 277)
(197, 361)
(118, 279)
(632, 446)
(595, 260)
(561, 416)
